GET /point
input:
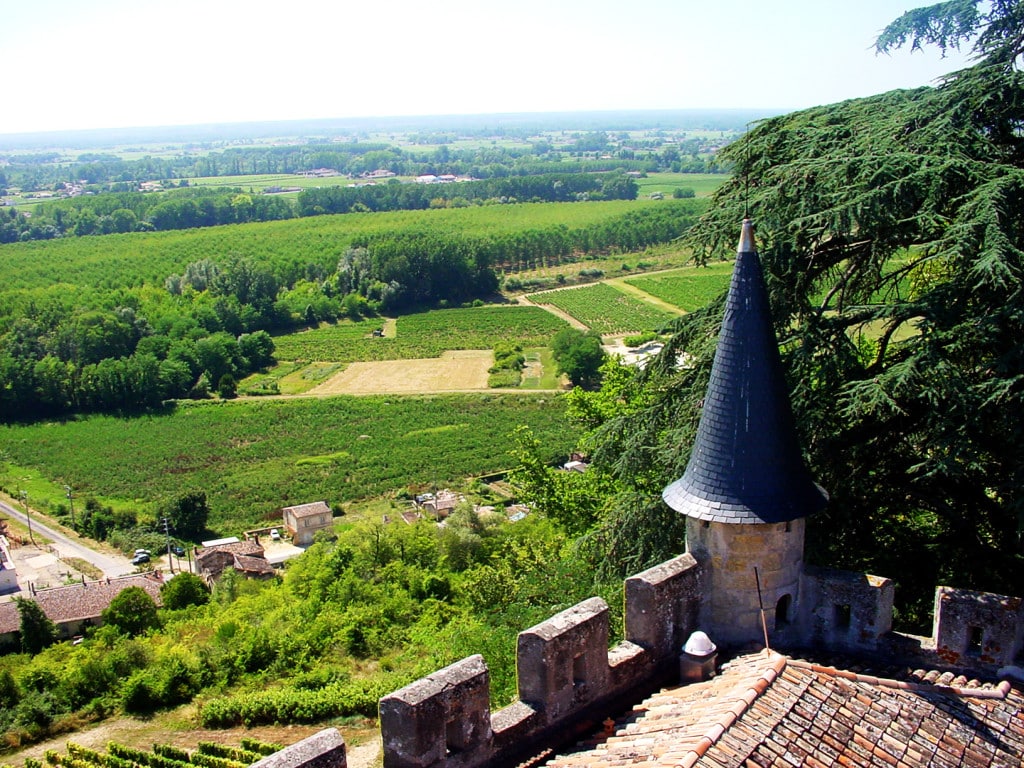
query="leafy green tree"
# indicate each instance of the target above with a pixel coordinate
(184, 590)
(227, 387)
(188, 514)
(36, 629)
(579, 355)
(132, 612)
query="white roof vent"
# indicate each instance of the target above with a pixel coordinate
(699, 644)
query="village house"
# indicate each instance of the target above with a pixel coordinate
(440, 504)
(76, 607)
(8, 570)
(304, 520)
(245, 557)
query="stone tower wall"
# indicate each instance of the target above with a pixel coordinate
(731, 610)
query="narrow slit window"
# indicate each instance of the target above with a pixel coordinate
(843, 614)
(974, 641)
(578, 671)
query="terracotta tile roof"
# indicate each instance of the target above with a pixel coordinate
(253, 565)
(10, 619)
(244, 548)
(774, 711)
(77, 602)
(308, 510)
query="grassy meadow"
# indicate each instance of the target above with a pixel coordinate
(703, 184)
(425, 334)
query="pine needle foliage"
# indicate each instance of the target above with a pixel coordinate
(891, 230)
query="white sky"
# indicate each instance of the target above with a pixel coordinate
(125, 63)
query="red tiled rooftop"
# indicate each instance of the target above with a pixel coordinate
(772, 711)
(244, 548)
(308, 510)
(79, 601)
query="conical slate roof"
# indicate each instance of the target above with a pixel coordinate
(746, 465)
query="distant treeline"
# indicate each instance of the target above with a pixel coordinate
(548, 188)
(606, 151)
(119, 212)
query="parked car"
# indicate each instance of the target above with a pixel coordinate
(145, 552)
(140, 558)
(178, 550)
(275, 534)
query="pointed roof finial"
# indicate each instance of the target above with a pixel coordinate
(747, 238)
(746, 465)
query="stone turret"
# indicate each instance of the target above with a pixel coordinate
(746, 490)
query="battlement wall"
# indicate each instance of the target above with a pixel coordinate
(566, 674)
(569, 680)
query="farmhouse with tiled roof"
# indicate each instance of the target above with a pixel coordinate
(303, 521)
(246, 557)
(77, 606)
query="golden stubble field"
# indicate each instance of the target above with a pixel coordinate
(453, 371)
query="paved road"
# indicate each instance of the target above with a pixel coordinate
(111, 565)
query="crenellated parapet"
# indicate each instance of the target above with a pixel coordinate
(977, 628)
(566, 673)
(844, 611)
(569, 680)
(443, 718)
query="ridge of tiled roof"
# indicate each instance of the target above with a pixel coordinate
(746, 465)
(771, 710)
(249, 564)
(307, 510)
(246, 548)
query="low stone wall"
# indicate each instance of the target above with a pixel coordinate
(569, 680)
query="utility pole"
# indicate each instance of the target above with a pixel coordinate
(71, 502)
(28, 515)
(167, 532)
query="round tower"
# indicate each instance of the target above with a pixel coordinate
(746, 489)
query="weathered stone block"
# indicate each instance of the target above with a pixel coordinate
(663, 605)
(846, 610)
(442, 718)
(562, 663)
(981, 626)
(324, 749)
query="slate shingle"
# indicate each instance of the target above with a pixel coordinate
(746, 465)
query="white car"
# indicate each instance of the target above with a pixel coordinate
(275, 535)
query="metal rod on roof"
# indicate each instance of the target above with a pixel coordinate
(760, 604)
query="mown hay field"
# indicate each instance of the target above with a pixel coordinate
(454, 371)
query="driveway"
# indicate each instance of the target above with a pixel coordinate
(65, 546)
